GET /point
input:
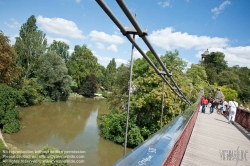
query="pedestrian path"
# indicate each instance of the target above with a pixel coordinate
(214, 142)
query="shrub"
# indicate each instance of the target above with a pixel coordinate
(9, 115)
(113, 127)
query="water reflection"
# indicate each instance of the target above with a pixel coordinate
(70, 125)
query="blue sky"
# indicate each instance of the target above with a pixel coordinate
(190, 26)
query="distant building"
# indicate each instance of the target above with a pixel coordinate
(204, 55)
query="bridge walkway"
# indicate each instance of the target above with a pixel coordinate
(215, 142)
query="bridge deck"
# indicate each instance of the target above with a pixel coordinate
(215, 142)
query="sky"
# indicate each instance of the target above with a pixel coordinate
(189, 26)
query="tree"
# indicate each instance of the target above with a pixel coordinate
(89, 87)
(53, 76)
(214, 64)
(110, 75)
(9, 71)
(30, 44)
(245, 94)
(198, 77)
(229, 79)
(61, 48)
(119, 95)
(81, 64)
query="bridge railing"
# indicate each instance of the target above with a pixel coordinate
(242, 117)
(168, 145)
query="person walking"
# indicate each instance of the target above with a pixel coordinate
(233, 105)
(213, 104)
(204, 103)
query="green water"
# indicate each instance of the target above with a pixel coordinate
(70, 125)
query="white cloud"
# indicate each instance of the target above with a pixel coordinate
(13, 24)
(137, 54)
(233, 55)
(50, 40)
(105, 60)
(168, 40)
(78, 1)
(106, 38)
(112, 48)
(60, 26)
(13, 39)
(218, 10)
(100, 45)
(164, 4)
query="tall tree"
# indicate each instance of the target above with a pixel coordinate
(110, 75)
(214, 64)
(53, 76)
(30, 44)
(61, 48)
(81, 64)
(9, 71)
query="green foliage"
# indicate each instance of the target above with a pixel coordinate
(81, 64)
(53, 76)
(245, 94)
(61, 48)
(214, 64)
(230, 79)
(30, 93)
(9, 115)
(30, 44)
(146, 101)
(120, 89)
(110, 74)
(228, 92)
(113, 128)
(198, 77)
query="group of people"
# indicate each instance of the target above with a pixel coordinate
(221, 107)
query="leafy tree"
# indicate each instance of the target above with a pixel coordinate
(229, 79)
(89, 87)
(245, 94)
(198, 77)
(110, 75)
(61, 48)
(101, 76)
(30, 44)
(9, 71)
(214, 64)
(53, 76)
(120, 90)
(9, 115)
(81, 64)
